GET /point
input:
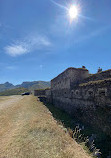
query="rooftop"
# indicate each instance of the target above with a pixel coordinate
(70, 68)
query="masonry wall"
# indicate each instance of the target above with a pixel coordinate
(80, 94)
(61, 87)
(68, 88)
(90, 103)
(69, 76)
(48, 95)
(85, 95)
(39, 92)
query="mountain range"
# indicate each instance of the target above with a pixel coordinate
(29, 85)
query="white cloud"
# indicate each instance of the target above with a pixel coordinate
(44, 41)
(27, 45)
(15, 50)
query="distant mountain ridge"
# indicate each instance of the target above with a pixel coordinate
(6, 86)
(29, 85)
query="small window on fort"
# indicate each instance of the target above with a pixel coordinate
(72, 93)
(90, 93)
(77, 92)
(102, 92)
(64, 92)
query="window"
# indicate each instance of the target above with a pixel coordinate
(102, 91)
(72, 93)
(77, 92)
(90, 93)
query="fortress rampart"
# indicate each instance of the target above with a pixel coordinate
(75, 89)
(77, 84)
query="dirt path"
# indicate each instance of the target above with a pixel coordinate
(8, 100)
(28, 130)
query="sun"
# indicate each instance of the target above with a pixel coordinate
(73, 12)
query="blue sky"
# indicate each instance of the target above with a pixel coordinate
(38, 41)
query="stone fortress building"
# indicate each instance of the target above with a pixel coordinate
(75, 87)
(83, 95)
(78, 92)
(62, 87)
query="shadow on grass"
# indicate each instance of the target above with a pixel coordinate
(103, 141)
(60, 115)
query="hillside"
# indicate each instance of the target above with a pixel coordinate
(35, 85)
(6, 86)
(16, 91)
(29, 85)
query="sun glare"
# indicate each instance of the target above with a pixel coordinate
(73, 12)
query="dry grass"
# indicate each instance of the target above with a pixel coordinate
(97, 82)
(28, 130)
(2, 98)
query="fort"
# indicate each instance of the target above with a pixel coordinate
(84, 95)
(75, 87)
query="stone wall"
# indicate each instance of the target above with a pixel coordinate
(39, 92)
(98, 91)
(79, 93)
(90, 103)
(90, 94)
(69, 76)
(70, 84)
(48, 95)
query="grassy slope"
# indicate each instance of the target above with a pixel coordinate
(28, 130)
(16, 91)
